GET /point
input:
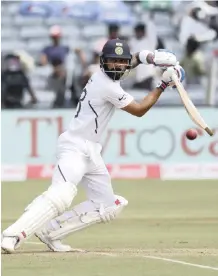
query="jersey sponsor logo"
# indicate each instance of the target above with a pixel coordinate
(119, 51)
(122, 98)
(119, 44)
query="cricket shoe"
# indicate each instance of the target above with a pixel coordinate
(8, 244)
(54, 245)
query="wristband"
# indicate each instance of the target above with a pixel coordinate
(163, 85)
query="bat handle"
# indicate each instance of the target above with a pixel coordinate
(209, 131)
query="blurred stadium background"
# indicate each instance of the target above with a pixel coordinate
(49, 50)
(83, 28)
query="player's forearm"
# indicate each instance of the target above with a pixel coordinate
(149, 101)
(136, 59)
(139, 109)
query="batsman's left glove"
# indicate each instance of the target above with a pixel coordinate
(164, 58)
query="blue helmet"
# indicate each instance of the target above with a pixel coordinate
(117, 49)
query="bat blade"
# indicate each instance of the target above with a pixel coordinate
(190, 107)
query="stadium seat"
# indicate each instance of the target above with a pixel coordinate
(94, 31)
(32, 34)
(38, 83)
(41, 72)
(165, 31)
(13, 8)
(126, 30)
(74, 43)
(7, 33)
(37, 44)
(9, 45)
(27, 21)
(29, 32)
(44, 97)
(173, 45)
(161, 18)
(71, 31)
(60, 21)
(6, 20)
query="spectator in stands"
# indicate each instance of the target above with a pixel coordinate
(144, 75)
(195, 24)
(55, 55)
(213, 24)
(113, 32)
(14, 82)
(26, 60)
(91, 68)
(193, 62)
(151, 32)
(76, 83)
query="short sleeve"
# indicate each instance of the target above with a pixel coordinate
(117, 96)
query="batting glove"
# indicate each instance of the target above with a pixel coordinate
(164, 58)
(167, 76)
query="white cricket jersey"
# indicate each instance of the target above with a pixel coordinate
(96, 106)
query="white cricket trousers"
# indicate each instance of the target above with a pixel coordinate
(80, 162)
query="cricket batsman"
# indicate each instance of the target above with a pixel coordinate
(79, 160)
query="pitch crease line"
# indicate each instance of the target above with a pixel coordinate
(147, 257)
(179, 262)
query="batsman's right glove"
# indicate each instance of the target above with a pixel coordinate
(167, 76)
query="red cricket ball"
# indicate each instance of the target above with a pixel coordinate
(191, 134)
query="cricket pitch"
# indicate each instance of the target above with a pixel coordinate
(169, 228)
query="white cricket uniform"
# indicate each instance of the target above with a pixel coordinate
(79, 148)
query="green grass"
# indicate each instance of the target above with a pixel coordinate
(176, 220)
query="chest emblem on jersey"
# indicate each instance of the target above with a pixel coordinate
(119, 51)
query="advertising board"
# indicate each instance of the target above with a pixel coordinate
(158, 139)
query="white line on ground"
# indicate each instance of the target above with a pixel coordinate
(178, 262)
(147, 257)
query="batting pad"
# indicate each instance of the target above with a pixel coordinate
(85, 215)
(52, 203)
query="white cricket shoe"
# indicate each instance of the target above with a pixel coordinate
(54, 245)
(8, 244)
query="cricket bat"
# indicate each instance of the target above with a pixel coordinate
(190, 107)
